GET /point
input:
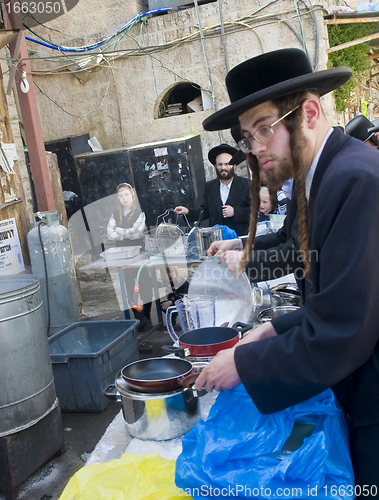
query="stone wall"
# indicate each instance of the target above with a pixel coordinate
(117, 101)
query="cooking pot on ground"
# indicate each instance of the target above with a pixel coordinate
(207, 342)
(158, 416)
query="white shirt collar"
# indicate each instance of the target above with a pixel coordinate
(224, 191)
(312, 170)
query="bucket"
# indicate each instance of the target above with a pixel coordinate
(28, 392)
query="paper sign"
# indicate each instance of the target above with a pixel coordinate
(8, 156)
(11, 261)
(160, 152)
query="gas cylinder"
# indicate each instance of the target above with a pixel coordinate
(51, 260)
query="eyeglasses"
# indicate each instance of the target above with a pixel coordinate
(262, 135)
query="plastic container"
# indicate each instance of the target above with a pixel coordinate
(120, 253)
(86, 357)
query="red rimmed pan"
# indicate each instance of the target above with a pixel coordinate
(158, 375)
(207, 342)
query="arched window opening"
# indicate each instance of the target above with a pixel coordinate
(181, 99)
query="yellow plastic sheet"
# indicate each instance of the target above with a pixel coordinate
(131, 477)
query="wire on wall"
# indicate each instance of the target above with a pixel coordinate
(84, 59)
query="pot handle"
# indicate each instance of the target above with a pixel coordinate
(111, 393)
(188, 381)
(257, 297)
(172, 349)
(242, 327)
(169, 312)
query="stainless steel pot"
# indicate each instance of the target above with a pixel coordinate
(205, 236)
(274, 312)
(157, 417)
(285, 294)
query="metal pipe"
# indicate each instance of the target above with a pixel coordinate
(205, 53)
(223, 36)
(206, 61)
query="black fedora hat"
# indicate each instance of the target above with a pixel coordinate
(361, 128)
(272, 75)
(222, 148)
(240, 156)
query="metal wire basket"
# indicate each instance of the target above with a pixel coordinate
(166, 238)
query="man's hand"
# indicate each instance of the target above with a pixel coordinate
(232, 260)
(221, 246)
(227, 211)
(221, 373)
(181, 210)
(119, 230)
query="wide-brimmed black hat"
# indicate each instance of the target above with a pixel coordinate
(272, 75)
(222, 148)
(240, 156)
(361, 128)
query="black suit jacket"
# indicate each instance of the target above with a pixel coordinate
(331, 341)
(239, 199)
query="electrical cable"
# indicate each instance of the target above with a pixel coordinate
(301, 28)
(209, 32)
(170, 70)
(317, 36)
(71, 114)
(99, 44)
(188, 38)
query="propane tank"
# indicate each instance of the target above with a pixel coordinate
(52, 263)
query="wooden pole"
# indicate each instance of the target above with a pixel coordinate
(30, 117)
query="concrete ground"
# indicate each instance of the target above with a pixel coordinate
(82, 431)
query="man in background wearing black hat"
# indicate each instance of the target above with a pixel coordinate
(226, 199)
(362, 129)
(332, 341)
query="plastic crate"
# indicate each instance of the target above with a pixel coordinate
(86, 357)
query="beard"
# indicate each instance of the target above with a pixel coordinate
(225, 175)
(277, 177)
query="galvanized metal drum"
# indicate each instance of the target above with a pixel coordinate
(27, 386)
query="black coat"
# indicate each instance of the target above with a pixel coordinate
(332, 341)
(239, 199)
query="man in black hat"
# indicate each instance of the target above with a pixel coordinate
(332, 340)
(362, 129)
(226, 198)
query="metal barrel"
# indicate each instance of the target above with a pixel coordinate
(27, 392)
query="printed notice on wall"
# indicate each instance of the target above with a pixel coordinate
(11, 261)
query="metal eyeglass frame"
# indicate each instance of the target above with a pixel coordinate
(245, 143)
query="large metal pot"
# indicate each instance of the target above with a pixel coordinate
(156, 417)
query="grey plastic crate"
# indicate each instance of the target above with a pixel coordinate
(86, 357)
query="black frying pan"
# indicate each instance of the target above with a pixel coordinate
(156, 375)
